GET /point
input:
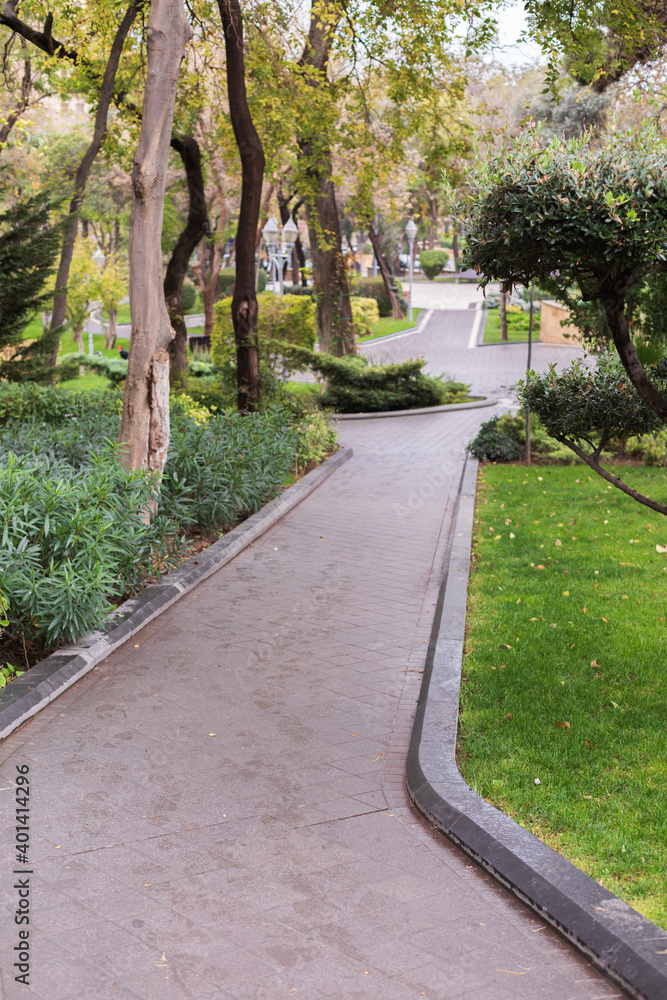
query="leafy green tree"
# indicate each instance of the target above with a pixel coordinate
(591, 222)
(110, 286)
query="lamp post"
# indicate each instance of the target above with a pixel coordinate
(410, 232)
(290, 234)
(270, 234)
(277, 250)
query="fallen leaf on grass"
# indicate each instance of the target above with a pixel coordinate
(614, 704)
(661, 548)
(563, 725)
(566, 593)
(625, 597)
(503, 645)
(589, 744)
(585, 611)
(595, 664)
(605, 620)
(508, 716)
(558, 542)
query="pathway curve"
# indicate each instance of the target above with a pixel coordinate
(219, 809)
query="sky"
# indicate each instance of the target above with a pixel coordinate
(511, 23)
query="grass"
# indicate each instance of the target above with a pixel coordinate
(388, 325)
(517, 326)
(125, 317)
(564, 670)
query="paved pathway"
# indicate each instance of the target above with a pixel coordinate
(219, 810)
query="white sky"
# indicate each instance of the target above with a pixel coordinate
(511, 23)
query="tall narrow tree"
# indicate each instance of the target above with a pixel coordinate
(244, 302)
(144, 429)
(332, 293)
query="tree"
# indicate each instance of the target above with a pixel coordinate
(190, 237)
(81, 290)
(592, 222)
(45, 41)
(109, 287)
(144, 429)
(600, 40)
(332, 293)
(251, 152)
(29, 245)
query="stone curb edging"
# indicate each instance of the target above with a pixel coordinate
(622, 944)
(37, 687)
(446, 408)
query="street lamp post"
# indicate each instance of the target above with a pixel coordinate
(270, 234)
(290, 234)
(277, 250)
(410, 232)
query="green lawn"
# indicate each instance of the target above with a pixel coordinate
(34, 329)
(517, 326)
(388, 325)
(125, 317)
(565, 676)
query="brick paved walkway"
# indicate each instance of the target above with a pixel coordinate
(219, 811)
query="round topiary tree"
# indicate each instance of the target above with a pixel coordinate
(590, 222)
(432, 262)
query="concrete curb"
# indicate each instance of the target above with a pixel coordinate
(421, 323)
(26, 695)
(626, 947)
(476, 404)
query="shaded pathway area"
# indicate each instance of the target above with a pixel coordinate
(219, 809)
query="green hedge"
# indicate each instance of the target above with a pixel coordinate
(373, 288)
(353, 385)
(281, 318)
(432, 262)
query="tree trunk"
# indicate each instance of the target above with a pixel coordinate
(78, 336)
(614, 307)
(144, 429)
(433, 221)
(455, 246)
(396, 310)
(503, 315)
(264, 215)
(110, 341)
(83, 172)
(244, 302)
(194, 231)
(297, 259)
(332, 293)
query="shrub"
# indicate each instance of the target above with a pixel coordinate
(356, 386)
(288, 318)
(188, 295)
(52, 404)
(495, 444)
(373, 288)
(73, 537)
(299, 290)
(316, 439)
(432, 262)
(365, 314)
(71, 543)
